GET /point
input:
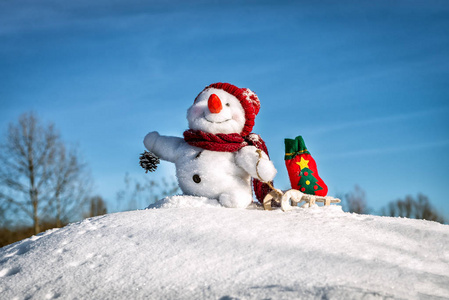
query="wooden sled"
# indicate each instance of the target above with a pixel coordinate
(292, 197)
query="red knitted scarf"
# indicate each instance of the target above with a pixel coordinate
(229, 143)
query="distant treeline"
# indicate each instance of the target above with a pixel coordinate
(418, 207)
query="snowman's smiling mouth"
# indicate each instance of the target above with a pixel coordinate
(215, 121)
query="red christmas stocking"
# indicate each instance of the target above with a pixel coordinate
(302, 168)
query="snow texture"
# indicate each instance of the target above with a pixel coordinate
(192, 248)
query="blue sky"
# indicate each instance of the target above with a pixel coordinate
(366, 83)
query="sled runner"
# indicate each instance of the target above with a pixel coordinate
(292, 197)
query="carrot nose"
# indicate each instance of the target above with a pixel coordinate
(214, 104)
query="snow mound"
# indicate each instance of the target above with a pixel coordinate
(212, 252)
(184, 201)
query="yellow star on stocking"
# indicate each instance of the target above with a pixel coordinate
(303, 163)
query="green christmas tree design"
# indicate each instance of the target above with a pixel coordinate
(308, 183)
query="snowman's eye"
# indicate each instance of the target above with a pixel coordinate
(227, 104)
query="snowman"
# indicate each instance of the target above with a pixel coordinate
(218, 155)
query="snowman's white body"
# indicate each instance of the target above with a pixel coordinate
(225, 176)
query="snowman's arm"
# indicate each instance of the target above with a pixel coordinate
(165, 147)
(247, 159)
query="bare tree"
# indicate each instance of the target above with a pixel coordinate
(355, 201)
(69, 183)
(419, 208)
(97, 207)
(140, 193)
(3, 214)
(32, 174)
(24, 158)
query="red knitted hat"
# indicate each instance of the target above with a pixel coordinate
(248, 99)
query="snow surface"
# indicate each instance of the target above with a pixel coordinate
(192, 248)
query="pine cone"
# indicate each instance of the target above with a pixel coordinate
(149, 161)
